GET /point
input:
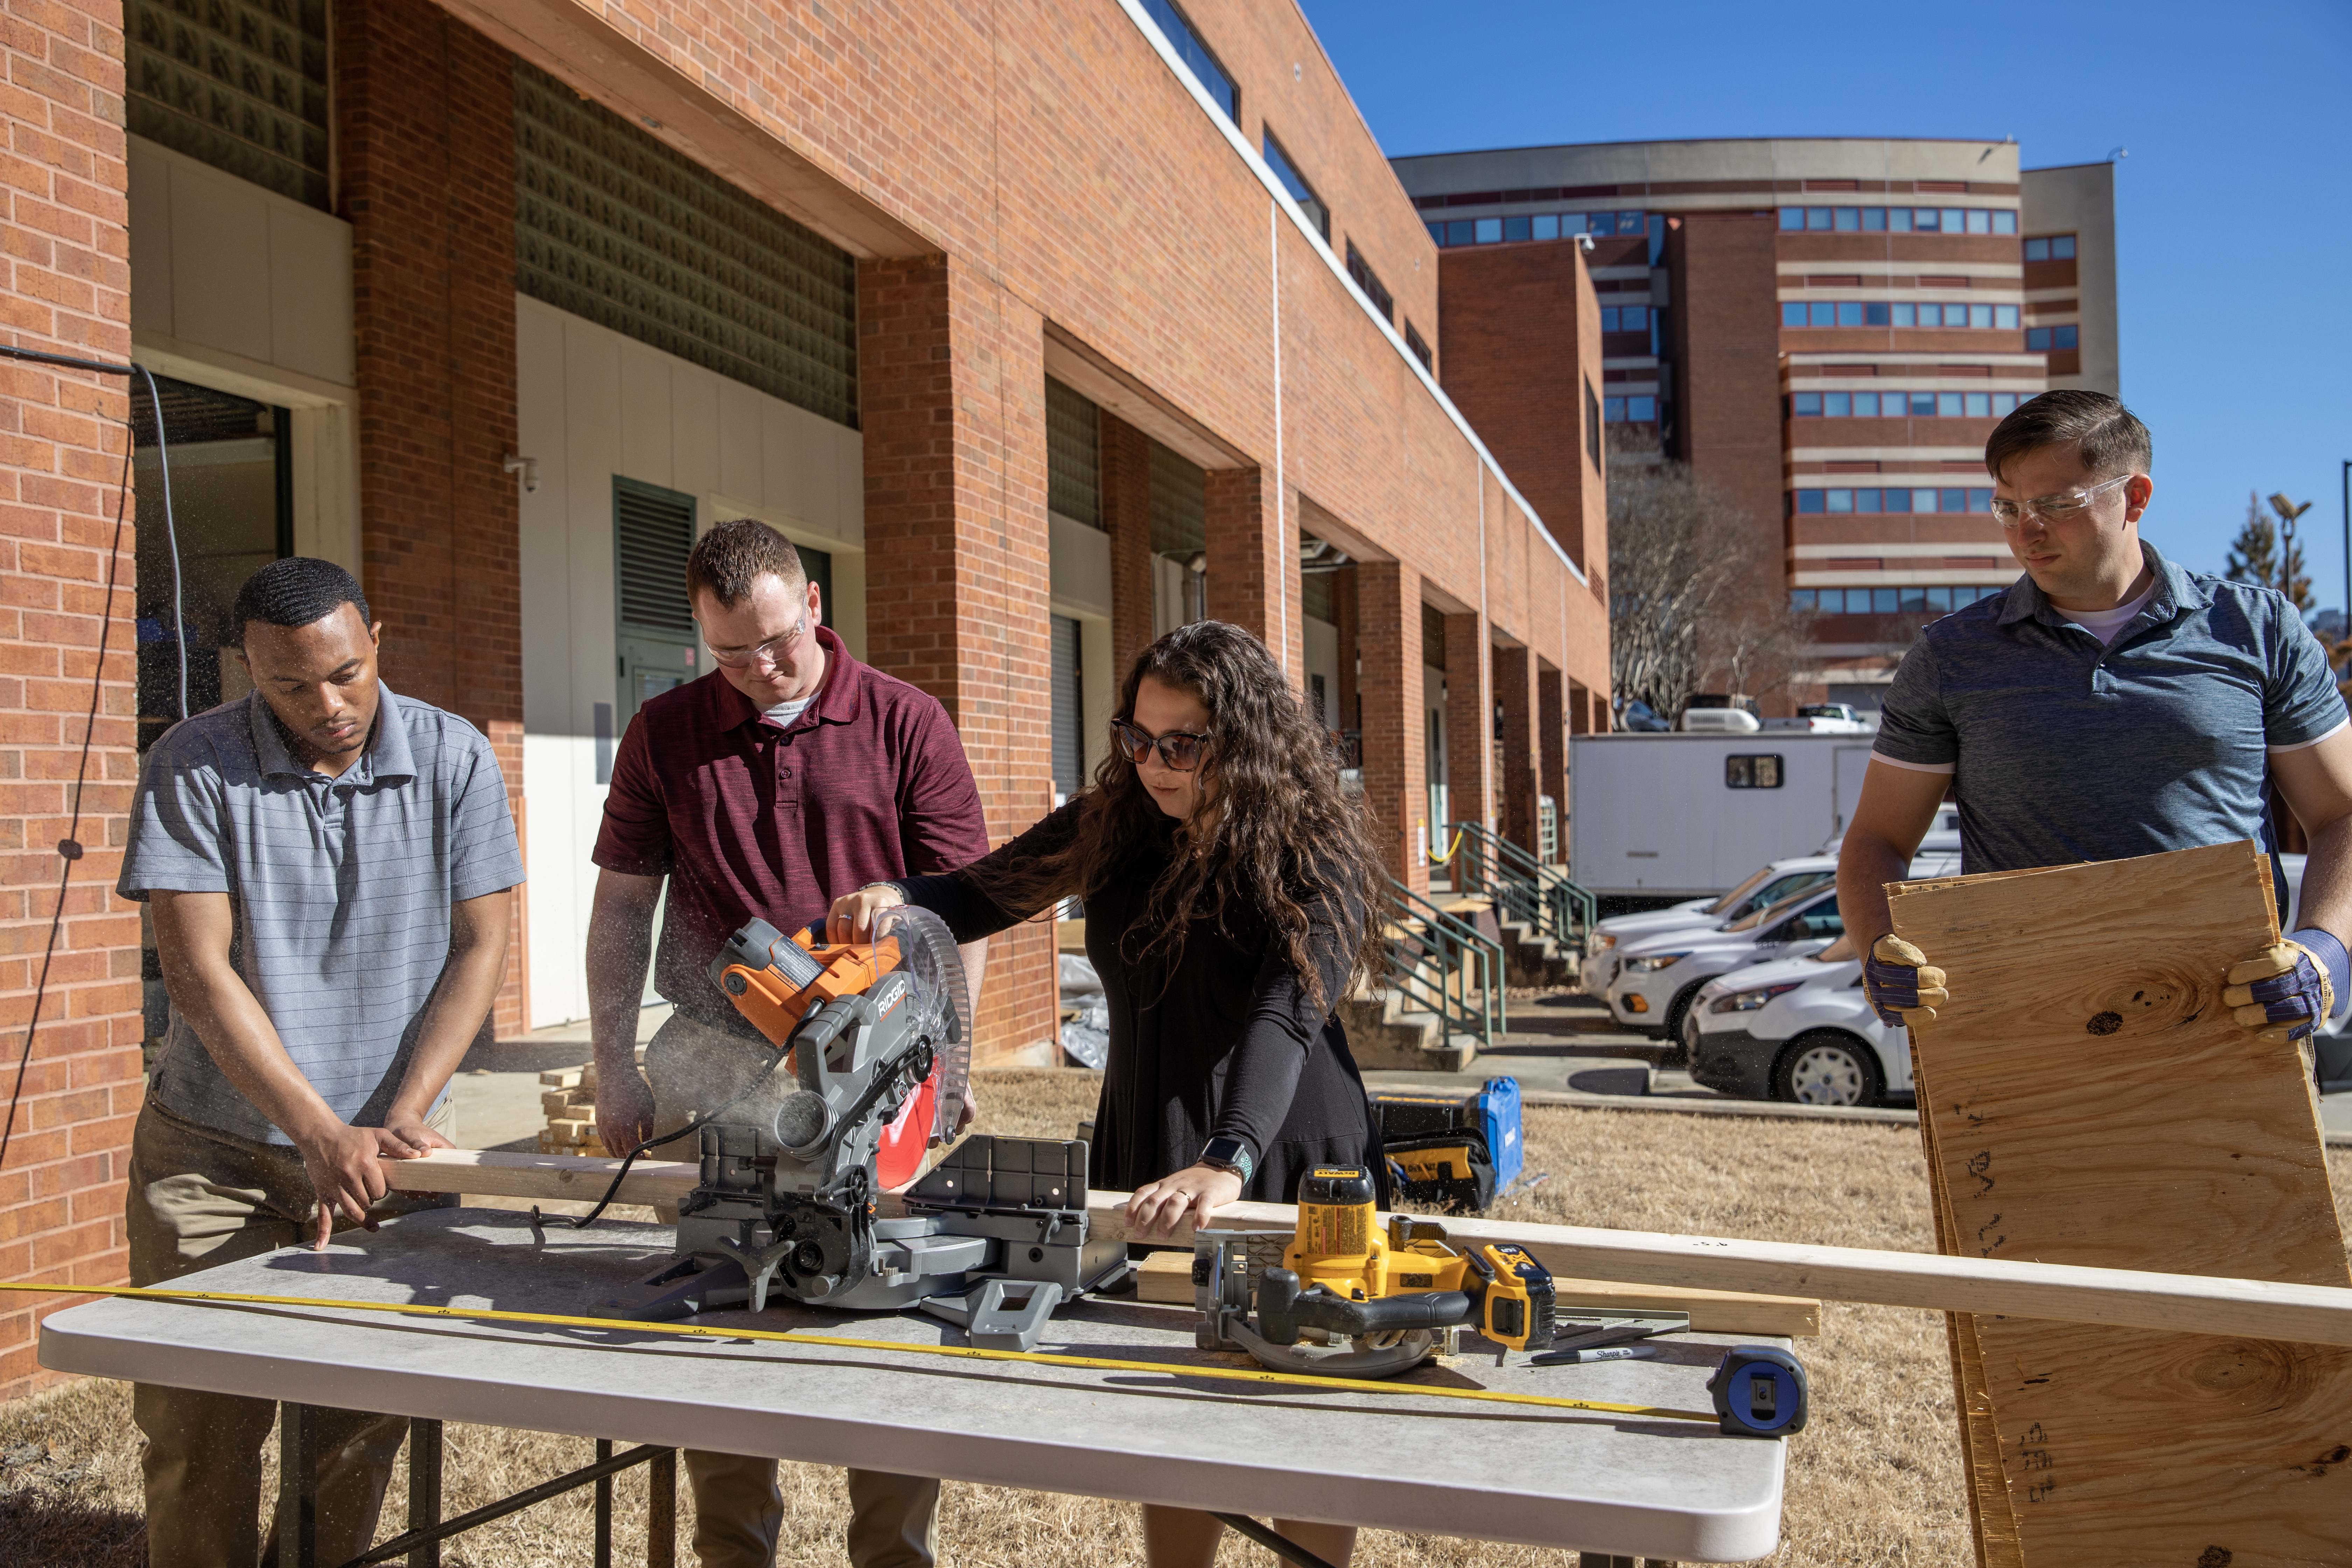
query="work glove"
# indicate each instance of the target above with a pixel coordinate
(1901, 983)
(2284, 992)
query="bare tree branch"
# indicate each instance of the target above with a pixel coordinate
(1680, 552)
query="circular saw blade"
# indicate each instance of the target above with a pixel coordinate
(928, 955)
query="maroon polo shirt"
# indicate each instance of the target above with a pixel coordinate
(869, 786)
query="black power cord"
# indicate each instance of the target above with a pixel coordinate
(70, 849)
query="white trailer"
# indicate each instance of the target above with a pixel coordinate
(1665, 816)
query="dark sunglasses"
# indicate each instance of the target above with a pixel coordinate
(1177, 750)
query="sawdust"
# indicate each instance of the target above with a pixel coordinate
(1875, 1481)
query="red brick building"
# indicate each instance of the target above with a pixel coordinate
(1038, 329)
(1828, 329)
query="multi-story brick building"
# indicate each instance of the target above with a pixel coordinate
(1038, 330)
(1827, 330)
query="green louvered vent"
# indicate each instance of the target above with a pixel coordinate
(1072, 455)
(238, 84)
(1179, 504)
(653, 529)
(614, 226)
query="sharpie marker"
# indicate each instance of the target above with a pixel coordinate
(1605, 1352)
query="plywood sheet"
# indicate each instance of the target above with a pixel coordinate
(2088, 1100)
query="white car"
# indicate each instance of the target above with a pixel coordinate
(1659, 976)
(1797, 1029)
(1772, 882)
(1802, 1029)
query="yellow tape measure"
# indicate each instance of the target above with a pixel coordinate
(836, 1341)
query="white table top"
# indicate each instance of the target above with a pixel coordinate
(1674, 1489)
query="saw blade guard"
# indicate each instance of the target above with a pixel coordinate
(928, 955)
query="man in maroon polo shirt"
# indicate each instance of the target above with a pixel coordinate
(788, 775)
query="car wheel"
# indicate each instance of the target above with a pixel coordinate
(1684, 1045)
(1827, 1069)
(1684, 1006)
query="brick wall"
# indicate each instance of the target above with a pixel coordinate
(64, 282)
(1728, 368)
(425, 111)
(1254, 564)
(1469, 722)
(953, 384)
(1388, 621)
(1126, 518)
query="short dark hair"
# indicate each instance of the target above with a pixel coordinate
(295, 592)
(726, 561)
(2112, 439)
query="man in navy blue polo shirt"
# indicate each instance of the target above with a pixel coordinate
(2109, 704)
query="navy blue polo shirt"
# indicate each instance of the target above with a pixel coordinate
(2062, 749)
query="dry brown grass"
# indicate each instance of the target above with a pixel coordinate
(1875, 1481)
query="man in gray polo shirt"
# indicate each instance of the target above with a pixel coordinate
(2109, 704)
(327, 866)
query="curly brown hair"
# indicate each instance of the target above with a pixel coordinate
(1274, 832)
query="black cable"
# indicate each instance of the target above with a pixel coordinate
(170, 536)
(696, 1125)
(70, 847)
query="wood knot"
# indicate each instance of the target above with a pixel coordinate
(2104, 1023)
(2214, 1557)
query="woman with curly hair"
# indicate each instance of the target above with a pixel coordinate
(1231, 889)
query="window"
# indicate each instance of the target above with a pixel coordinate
(2055, 247)
(1296, 183)
(1809, 502)
(1367, 280)
(1941, 600)
(1887, 313)
(1625, 318)
(1178, 29)
(2039, 339)
(1072, 455)
(1904, 220)
(1751, 772)
(1902, 405)
(238, 84)
(1631, 410)
(1592, 424)
(1420, 350)
(1536, 226)
(614, 226)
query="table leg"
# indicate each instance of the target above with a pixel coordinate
(424, 1488)
(661, 1511)
(297, 1485)
(1605, 1560)
(1288, 1551)
(604, 1507)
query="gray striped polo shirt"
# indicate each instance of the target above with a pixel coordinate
(341, 888)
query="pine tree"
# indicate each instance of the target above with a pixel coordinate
(2293, 580)
(2254, 554)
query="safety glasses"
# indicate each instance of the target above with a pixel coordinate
(2054, 508)
(1177, 750)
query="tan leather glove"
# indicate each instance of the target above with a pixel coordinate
(2280, 992)
(1901, 983)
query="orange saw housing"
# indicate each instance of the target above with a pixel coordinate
(775, 1002)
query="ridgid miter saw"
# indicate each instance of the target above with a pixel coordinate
(873, 1070)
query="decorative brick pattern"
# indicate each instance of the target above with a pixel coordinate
(1253, 564)
(1551, 741)
(1469, 722)
(425, 119)
(952, 374)
(1520, 753)
(1388, 630)
(64, 288)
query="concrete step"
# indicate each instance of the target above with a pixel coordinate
(1386, 1033)
(1532, 959)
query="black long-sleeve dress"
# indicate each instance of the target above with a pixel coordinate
(1228, 1045)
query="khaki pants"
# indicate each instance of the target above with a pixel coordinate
(738, 1512)
(199, 1198)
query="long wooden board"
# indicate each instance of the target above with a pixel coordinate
(2090, 1101)
(2183, 1304)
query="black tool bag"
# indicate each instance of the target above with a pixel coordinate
(1440, 1143)
(1447, 1170)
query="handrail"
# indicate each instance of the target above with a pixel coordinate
(1525, 890)
(1466, 961)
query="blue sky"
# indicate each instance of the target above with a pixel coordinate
(2233, 210)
